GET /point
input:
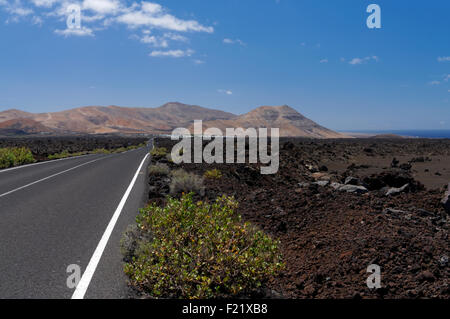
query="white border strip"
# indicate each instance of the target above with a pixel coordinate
(48, 177)
(60, 159)
(83, 285)
(43, 162)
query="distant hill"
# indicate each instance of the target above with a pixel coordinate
(160, 120)
(13, 114)
(23, 126)
(289, 121)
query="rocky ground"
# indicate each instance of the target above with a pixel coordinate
(338, 206)
(41, 147)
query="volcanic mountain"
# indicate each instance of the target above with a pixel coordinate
(161, 120)
(289, 121)
(23, 126)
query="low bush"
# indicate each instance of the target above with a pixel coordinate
(126, 149)
(158, 153)
(22, 156)
(119, 150)
(184, 182)
(7, 158)
(213, 174)
(15, 156)
(63, 154)
(159, 170)
(135, 147)
(199, 250)
(101, 151)
(66, 154)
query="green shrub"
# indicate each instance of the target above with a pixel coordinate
(213, 174)
(100, 151)
(135, 147)
(63, 154)
(22, 156)
(184, 182)
(15, 156)
(78, 154)
(158, 153)
(159, 170)
(7, 158)
(66, 154)
(120, 150)
(197, 250)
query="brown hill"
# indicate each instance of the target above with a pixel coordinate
(115, 119)
(13, 114)
(288, 120)
(23, 126)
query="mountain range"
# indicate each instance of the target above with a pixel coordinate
(160, 120)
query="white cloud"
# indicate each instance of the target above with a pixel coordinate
(175, 37)
(155, 41)
(445, 78)
(199, 62)
(172, 53)
(102, 6)
(21, 11)
(227, 92)
(160, 27)
(37, 20)
(161, 41)
(44, 3)
(444, 59)
(231, 41)
(324, 61)
(81, 32)
(151, 8)
(93, 18)
(16, 9)
(356, 61)
(153, 15)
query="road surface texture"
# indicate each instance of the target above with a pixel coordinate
(59, 213)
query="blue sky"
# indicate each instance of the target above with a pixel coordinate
(316, 56)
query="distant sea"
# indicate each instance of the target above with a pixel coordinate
(411, 133)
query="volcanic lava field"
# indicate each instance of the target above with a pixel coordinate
(338, 206)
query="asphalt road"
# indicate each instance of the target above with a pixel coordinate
(56, 214)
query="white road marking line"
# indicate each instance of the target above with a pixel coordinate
(48, 177)
(83, 285)
(57, 160)
(40, 163)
